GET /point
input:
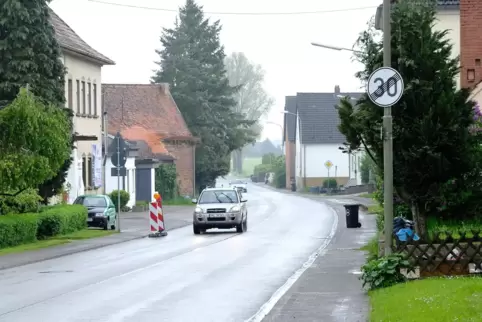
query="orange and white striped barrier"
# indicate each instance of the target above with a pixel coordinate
(154, 217)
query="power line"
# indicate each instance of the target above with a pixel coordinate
(239, 13)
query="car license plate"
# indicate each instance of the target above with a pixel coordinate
(89, 219)
(216, 215)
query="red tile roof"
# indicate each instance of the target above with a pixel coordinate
(144, 113)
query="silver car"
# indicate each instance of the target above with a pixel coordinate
(220, 208)
(239, 184)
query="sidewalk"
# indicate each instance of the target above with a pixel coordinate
(330, 290)
(134, 226)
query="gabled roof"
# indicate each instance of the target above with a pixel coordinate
(70, 41)
(290, 119)
(319, 117)
(145, 113)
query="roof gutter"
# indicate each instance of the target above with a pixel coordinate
(91, 58)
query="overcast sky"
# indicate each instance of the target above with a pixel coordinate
(280, 43)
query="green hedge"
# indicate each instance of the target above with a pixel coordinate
(61, 220)
(26, 228)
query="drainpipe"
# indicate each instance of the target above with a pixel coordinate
(304, 166)
(104, 113)
(194, 170)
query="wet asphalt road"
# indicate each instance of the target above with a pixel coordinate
(216, 277)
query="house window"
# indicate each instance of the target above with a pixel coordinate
(70, 95)
(83, 99)
(78, 96)
(90, 177)
(95, 99)
(84, 170)
(89, 97)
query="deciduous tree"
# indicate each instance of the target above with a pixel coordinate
(35, 140)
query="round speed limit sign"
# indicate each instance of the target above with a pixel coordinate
(385, 87)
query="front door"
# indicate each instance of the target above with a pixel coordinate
(143, 185)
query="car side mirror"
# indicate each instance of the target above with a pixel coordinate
(111, 206)
(194, 200)
(244, 200)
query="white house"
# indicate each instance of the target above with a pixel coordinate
(127, 181)
(318, 141)
(83, 95)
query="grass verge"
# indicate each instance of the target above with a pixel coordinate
(372, 248)
(437, 300)
(374, 209)
(367, 195)
(57, 240)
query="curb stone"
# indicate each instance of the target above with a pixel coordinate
(77, 251)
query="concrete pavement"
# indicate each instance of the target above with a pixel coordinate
(329, 290)
(133, 225)
(219, 276)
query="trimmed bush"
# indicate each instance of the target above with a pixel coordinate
(26, 228)
(60, 220)
(18, 229)
(124, 198)
(25, 202)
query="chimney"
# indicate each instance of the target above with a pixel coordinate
(470, 43)
(165, 87)
(337, 89)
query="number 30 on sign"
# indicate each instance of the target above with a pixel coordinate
(385, 87)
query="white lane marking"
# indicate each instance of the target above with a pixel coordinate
(269, 305)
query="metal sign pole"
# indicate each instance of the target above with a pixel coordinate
(118, 184)
(387, 139)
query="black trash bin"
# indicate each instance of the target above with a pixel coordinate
(351, 212)
(293, 187)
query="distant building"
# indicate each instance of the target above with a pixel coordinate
(318, 140)
(147, 114)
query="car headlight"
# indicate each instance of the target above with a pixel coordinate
(198, 210)
(235, 209)
(99, 215)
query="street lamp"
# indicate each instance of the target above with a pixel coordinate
(298, 119)
(317, 44)
(282, 132)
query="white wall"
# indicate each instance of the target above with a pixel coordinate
(355, 166)
(450, 20)
(298, 160)
(129, 179)
(83, 70)
(318, 154)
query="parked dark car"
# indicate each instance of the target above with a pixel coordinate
(101, 211)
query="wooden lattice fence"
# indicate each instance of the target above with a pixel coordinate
(446, 254)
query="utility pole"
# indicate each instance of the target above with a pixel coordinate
(387, 135)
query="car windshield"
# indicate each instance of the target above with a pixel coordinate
(94, 201)
(218, 196)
